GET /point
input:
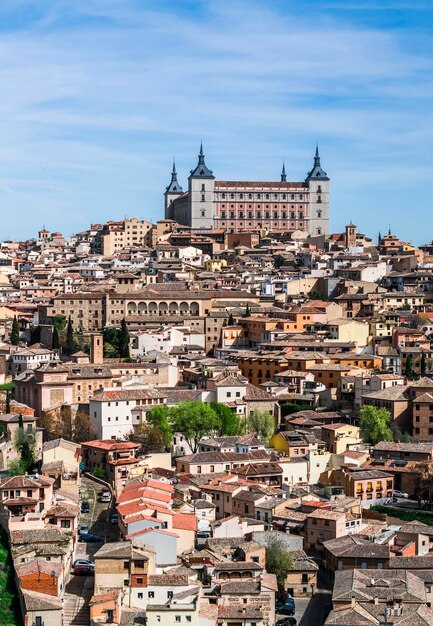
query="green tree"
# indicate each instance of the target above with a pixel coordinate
(150, 438)
(231, 321)
(278, 560)
(25, 444)
(292, 407)
(409, 366)
(229, 423)
(59, 322)
(247, 311)
(124, 340)
(194, 420)
(35, 334)
(8, 402)
(83, 428)
(111, 338)
(15, 332)
(70, 343)
(262, 423)
(423, 365)
(159, 418)
(376, 424)
(55, 342)
(98, 472)
(16, 468)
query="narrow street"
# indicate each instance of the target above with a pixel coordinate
(79, 589)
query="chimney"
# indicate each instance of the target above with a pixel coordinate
(96, 349)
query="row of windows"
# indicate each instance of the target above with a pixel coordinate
(266, 196)
(259, 206)
(260, 225)
(266, 215)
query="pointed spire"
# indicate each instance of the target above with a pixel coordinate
(317, 173)
(317, 156)
(283, 173)
(201, 154)
(389, 231)
(201, 168)
(174, 186)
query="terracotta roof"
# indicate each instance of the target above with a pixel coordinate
(110, 444)
(184, 521)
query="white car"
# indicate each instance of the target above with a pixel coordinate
(106, 496)
(400, 494)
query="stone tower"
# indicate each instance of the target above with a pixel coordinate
(201, 185)
(350, 238)
(318, 185)
(96, 349)
(173, 191)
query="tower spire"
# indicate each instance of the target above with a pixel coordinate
(283, 174)
(201, 154)
(174, 186)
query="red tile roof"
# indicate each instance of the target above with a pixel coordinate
(110, 444)
(185, 521)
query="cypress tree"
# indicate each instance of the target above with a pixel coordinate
(231, 321)
(8, 402)
(55, 342)
(124, 341)
(69, 345)
(15, 333)
(409, 366)
(423, 365)
(247, 311)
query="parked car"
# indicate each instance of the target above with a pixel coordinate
(84, 529)
(400, 494)
(201, 534)
(106, 496)
(89, 538)
(286, 608)
(85, 507)
(287, 621)
(83, 562)
(114, 517)
(84, 570)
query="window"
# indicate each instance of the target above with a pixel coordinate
(139, 581)
(125, 564)
(65, 523)
(140, 596)
(177, 618)
(150, 594)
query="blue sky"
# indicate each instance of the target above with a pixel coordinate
(98, 95)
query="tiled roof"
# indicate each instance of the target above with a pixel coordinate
(184, 521)
(110, 444)
(35, 601)
(127, 394)
(222, 457)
